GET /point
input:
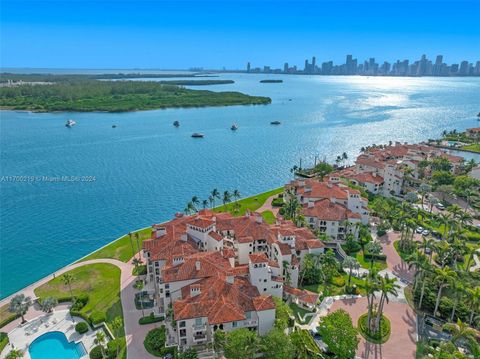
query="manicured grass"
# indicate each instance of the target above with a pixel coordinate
(475, 147)
(331, 289)
(377, 338)
(298, 311)
(121, 249)
(366, 263)
(150, 319)
(309, 343)
(6, 316)
(251, 203)
(3, 341)
(101, 281)
(155, 342)
(268, 217)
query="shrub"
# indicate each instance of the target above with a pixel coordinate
(96, 352)
(97, 317)
(277, 202)
(150, 319)
(82, 315)
(377, 257)
(338, 281)
(378, 337)
(3, 340)
(281, 211)
(381, 231)
(80, 301)
(155, 342)
(81, 327)
(112, 347)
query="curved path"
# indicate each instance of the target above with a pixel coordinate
(267, 206)
(134, 332)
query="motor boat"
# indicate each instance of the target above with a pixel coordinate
(197, 135)
(70, 123)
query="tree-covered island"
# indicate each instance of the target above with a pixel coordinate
(85, 94)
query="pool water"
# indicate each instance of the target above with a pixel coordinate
(55, 345)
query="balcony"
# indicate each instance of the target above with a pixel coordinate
(250, 323)
(200, 338)
(200, 327)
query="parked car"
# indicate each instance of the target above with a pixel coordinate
(419, 229)
(426, 232)
(440, 206)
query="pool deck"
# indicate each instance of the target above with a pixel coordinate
(57, 321)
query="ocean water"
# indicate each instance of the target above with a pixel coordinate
(88, 185)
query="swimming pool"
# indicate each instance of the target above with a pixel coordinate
(55, 345)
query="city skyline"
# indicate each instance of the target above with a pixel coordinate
(212, 34)
(352, 66)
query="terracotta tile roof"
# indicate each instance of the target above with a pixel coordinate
(326, 210)
(211, 264)
(277, 279)
(245, 239)
(240, 270)
(284, 248)
(367, 177)
(316, 189)
(216, 236)
(369, 161)
(273, 264)
(302, 294)
(258, 258)
(201, 222)
(228, 253)
(220, 301)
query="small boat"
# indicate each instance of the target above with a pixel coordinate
(197, 135)
(70, 123)
(114, 126)
(275, 123)
(176, 123)
(234, 127)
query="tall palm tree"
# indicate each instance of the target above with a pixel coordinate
(474, 301)
(418, 260)
(19, 305)
(386, 287)
(350, 263)
(227, 198)
(116, 325)
(427, 272)
(371, 286)
(131, 243)
(195, 201)
(423, 189)
(68, 280)
(458, 290)
(205, 203)
(190, 208)
(236, 195)
(211, 200)
(137, 239)
(444, 277)
(215, 194)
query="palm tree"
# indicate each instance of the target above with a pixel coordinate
(443, 278)
(423, 189)
(136, 262)
(211, 200)
(131, 243)
(350, 263)
(99, 340)
(48, 304)
(68, 280)
(195, 201)
(374, 248)
(190, 208)
(344, 158)
(227, 198)
(462, 333)
(418, 260)
(19, 305)
(116, 325)
(371, 286)
(215, 194)
(205, 203)
(236, 195)
(458, 290)
(474, 301)
(15, 354)
(465, 218)
(137, 239)
(386, 286)
(445, 218)
(455, 210)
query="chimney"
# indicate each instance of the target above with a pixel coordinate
(195, 290)
(258, 218)
(197, 265)
(184, 237)
(230, 278)
(159, 232)
(311, 204)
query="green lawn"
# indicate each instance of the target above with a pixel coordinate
(475, 147)
(101, 281)
(378, 264)
(120, 249)
(331, 289)
(6, 316)
(300, 311)
(251, 203)
(268, 217)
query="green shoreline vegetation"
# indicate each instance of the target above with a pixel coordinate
(115, 96)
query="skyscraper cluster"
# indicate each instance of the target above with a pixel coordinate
(422, 67)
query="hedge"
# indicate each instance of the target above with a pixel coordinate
(81, 327)
(3, 341)
(378, 337)
(377, 257)
(277, 202)
(9, 320)
(97, 317)
(80, 315)
(150, 319)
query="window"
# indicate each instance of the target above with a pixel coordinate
(248, 315)
(183, 333)
(181, 324)
(198, 321)
(264, 289)
(234, 324)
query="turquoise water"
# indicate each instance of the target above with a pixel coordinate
(145, 169)
(55, 345)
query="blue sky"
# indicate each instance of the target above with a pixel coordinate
(213, 34)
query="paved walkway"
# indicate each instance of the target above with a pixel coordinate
(267, 206)
(134, 332)
(402, 341)
(394, 262)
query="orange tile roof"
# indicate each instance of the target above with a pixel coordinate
(220, 301)
(302, 294)
(326, 210)
(258, 258)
